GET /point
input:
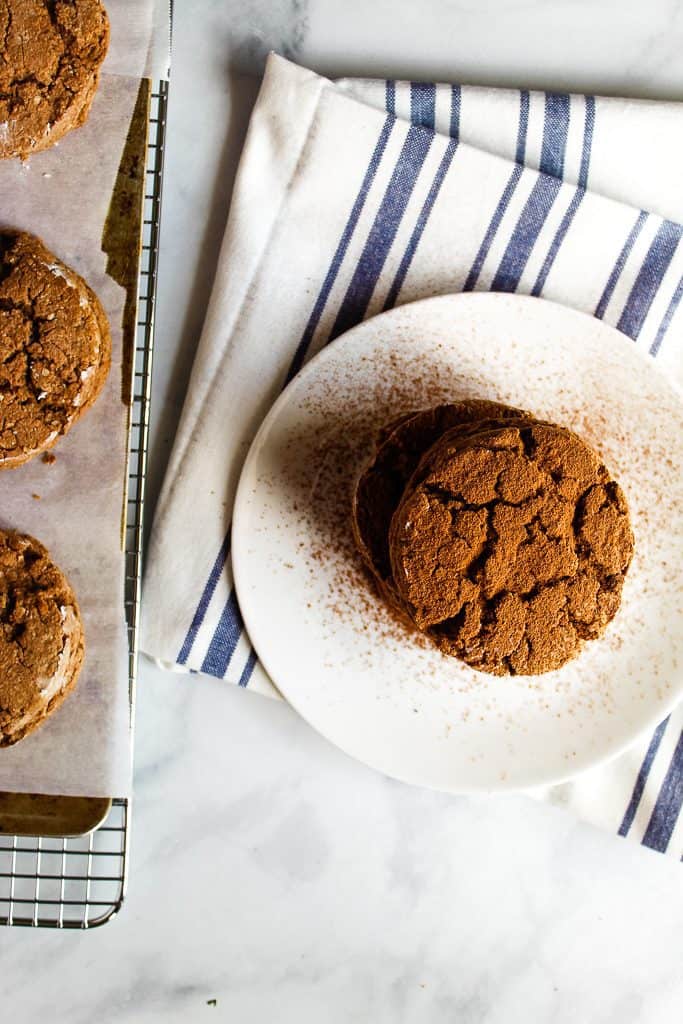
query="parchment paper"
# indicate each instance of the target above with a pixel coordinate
(63, 196)
(140, 38)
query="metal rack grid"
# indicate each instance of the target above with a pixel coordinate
(80, 882)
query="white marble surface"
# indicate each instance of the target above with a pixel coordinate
(269, 872)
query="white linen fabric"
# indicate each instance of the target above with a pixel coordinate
(356, 196)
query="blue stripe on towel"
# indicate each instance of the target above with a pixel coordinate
(411, 248)
(557, 241)
(619, 265)
(642, 777)
(297, 360)
(668, 805)
(225, 639)
(505, 198)
(456, 103)
(542, 196)
(667, 318)
(570, 212)
(487, 241)
(340, 252)
(383, 231)
(204, 601)
(555, 132)
(423, 104)
(248, 669)
(649, 278)
(527, 230)
(588, 128)
(523, 129)
(390, 97)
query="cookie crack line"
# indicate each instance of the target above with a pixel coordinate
(8, 28)
(463, 505)
(526, 597)
(51, 9)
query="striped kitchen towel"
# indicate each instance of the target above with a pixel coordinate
(357, 196)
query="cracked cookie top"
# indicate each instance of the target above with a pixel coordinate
(41, 640)
(400, 446)
(50, 59)
(55, 348)
(510, 547)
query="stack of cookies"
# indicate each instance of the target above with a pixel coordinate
(55, 347)
(501, 537)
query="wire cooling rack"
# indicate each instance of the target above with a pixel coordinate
(81, 882)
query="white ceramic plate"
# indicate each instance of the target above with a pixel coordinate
(324, 637)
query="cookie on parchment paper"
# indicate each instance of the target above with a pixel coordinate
(41, 636)
(50, 58)
(55, 348)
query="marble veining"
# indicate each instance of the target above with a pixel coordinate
(269, 872)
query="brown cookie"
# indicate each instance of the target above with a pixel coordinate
(52, 51)
(511, 549)
(41, 636)
(400, 447)
(55, 348)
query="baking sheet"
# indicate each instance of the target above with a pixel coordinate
(75, 504)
